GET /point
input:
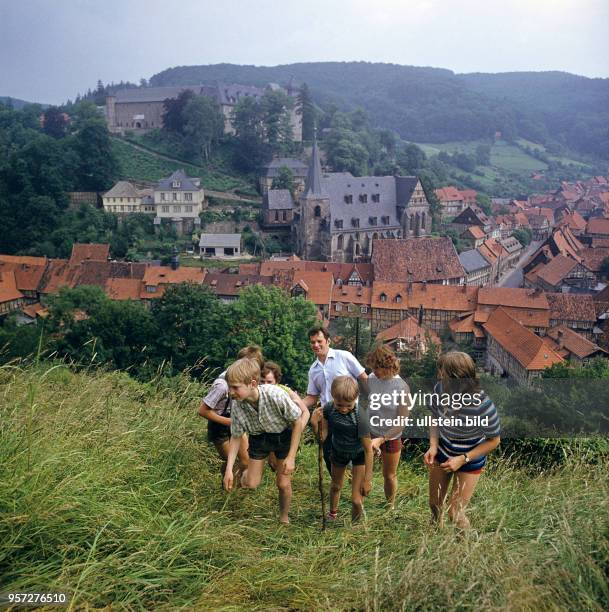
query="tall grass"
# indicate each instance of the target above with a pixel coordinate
(109, 491)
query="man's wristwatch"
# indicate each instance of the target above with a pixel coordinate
(466, 457)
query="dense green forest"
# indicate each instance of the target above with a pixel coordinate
(560, 110)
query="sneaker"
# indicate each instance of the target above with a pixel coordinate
(331, 516)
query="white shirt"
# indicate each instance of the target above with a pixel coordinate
(321, 375)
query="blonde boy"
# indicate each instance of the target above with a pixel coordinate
(265, 413)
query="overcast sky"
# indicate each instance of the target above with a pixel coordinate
(52, 49)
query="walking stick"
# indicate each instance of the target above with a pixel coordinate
(320, 476)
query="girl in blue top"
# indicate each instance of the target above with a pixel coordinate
(468, 430)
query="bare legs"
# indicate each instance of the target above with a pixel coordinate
(390, 478)
(251, 477)
(242, 456)
(357, 480)
(463, 488)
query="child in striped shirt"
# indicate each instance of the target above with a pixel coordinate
(468, 430)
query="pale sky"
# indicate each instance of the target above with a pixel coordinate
(52, 49)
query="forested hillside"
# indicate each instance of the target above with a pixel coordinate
(436, 105)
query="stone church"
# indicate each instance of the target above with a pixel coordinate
(338, 215)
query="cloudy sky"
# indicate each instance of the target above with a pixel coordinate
(52, 49)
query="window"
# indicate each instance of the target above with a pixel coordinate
(175, 197)
(383, 297)
(376, 197)
(398, 298)
(284, 214)
(276, 215)
(363, 198)
(340, 243)
(338, 224)
(350, 308)
(363, 309)
(188, 197)
(385, 220)
(317, 211)
(338, 307)
(165, 209)
(355, 222)
(348, 199)
(162, 196)
(122, 208)
(177, 209)
(188, 208)
(150, 288)
(372, 220)
(411, 222)
(176, 184)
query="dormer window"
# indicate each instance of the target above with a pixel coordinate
(383, 297)
(176, 184)
(398, 298)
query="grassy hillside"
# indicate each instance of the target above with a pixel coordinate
(109, 490)
(146, 166)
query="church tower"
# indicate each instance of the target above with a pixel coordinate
(312, 219)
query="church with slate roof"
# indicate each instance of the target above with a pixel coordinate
(338, 215)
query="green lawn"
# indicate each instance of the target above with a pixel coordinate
(109, 490)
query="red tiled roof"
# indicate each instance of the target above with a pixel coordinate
(416, 260)
(449, 194)
(598, 225)
(556, 270)
(318, 286)
(33, 310)
(572, 341)
(349, 294)
(27, 275)
(123, 288)
(162, 276)
(82, 252)
(474, 231)
(527, 348)
(571, 307)
(230, 285)
(59, 273)
(409, 330)
(8, 287)
(594, 257)
(516, 298)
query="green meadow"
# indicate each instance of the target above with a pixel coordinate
(110, 492)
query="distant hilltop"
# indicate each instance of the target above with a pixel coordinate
(437, 105)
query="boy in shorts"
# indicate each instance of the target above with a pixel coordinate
(350, 443)
(265, 413)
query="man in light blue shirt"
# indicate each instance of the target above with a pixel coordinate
(329, 364)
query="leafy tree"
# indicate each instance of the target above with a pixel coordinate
(173, 115)
(98, 168)
(484, 202)
(248, 121)
(523, 235)
(89, 328)
(193, 325)
(411, 158)
(55, 123)
(269, 317)
(306, 109)
(483, 155)
(203, 125)
(284, 180)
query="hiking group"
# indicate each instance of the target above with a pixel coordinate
(253, 420)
